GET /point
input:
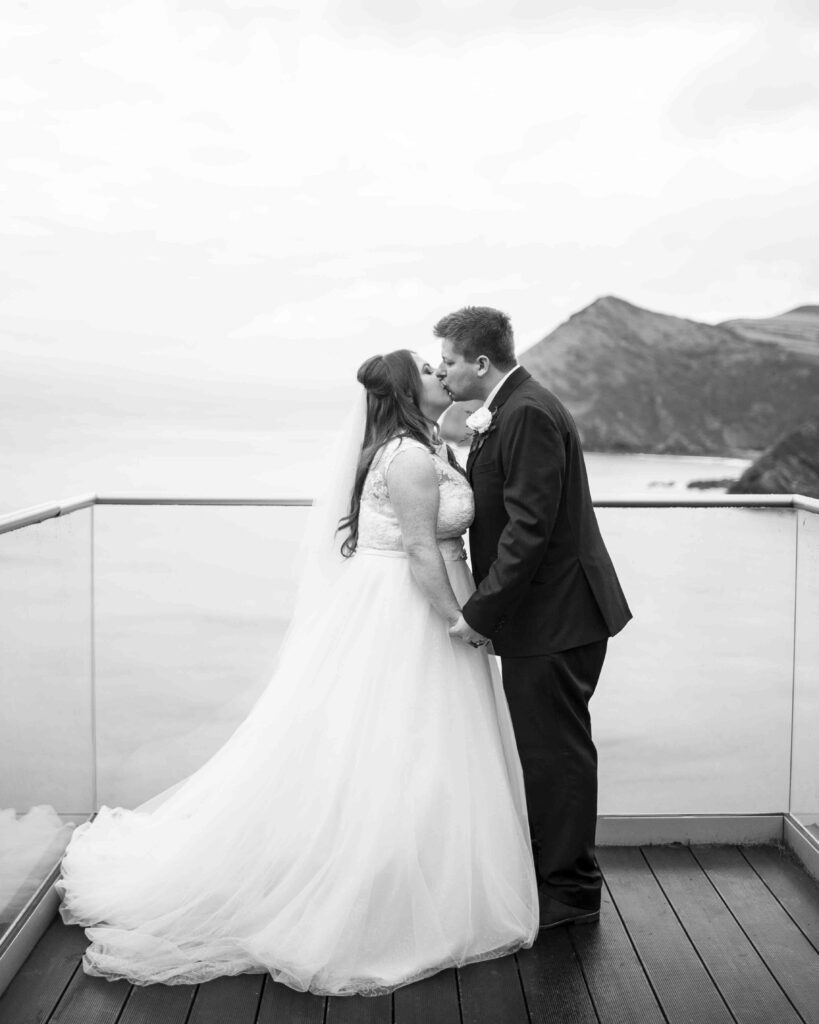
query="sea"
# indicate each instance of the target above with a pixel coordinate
(163, 460)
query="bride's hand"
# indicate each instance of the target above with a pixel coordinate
(461, 630)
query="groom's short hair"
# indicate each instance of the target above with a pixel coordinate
(480, 331)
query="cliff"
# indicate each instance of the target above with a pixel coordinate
(791, 466)
(638, 381)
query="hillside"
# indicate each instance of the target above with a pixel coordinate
(638, 381)
(797, 331)
(791, 466)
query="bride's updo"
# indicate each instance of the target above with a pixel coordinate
(393, 386)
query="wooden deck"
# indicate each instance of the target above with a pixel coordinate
(694, 935)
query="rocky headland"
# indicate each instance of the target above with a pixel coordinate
(791, 466)
(638, 381)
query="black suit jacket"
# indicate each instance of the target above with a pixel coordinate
(545, 581)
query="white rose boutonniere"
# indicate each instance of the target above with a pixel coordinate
(480, 421)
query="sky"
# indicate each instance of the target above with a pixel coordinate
(268, 192)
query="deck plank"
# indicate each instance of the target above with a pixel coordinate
(792, 886)
(431, 1001)
(150, 1004)
(44, 976)
(783, 947)
(233, 1000)
(553, 982)
(491, 992)
(359, 1010)
(752, 994)
(617, 982)
(750, 916)
(283, 1005)
(683, 987)
(89, 1000)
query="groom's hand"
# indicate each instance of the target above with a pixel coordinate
(461, 630)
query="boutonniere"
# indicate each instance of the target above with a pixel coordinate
(481, 423)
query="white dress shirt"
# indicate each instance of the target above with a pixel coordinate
(490, 398)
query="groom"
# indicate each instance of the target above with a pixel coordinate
(547, 594)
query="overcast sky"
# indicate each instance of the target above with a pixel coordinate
(282, 188)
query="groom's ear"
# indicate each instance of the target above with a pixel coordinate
(483, 365)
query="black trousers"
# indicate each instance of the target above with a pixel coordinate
(548, 698)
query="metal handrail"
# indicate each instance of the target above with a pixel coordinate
(48, 510)
(794, 501)
(51, 510)
(125, 499)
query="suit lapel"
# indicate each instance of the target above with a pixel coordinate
(513, 381)
(470, 459)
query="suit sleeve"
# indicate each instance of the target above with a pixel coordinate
(533, 458)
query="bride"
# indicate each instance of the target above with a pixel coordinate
(365, 826)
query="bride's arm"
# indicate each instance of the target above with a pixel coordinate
(413, 489)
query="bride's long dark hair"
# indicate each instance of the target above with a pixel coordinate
(393, 386)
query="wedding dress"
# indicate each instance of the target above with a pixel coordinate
(363, 828)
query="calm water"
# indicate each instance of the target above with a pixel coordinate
(108, 458)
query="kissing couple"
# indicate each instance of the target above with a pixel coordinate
(392, 807)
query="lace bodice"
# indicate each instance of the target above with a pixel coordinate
(377, 523)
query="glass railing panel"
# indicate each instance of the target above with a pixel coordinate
(692, 713)
(191, 606)
(805, 771)
(46, 732)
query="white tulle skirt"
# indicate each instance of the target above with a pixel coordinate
(363, 828)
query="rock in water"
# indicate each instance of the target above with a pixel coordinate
(637, 381)
(791, 466)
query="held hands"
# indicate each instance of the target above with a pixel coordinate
(461, 630)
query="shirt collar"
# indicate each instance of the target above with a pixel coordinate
(493, 394)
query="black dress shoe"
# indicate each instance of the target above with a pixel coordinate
(554, 913)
